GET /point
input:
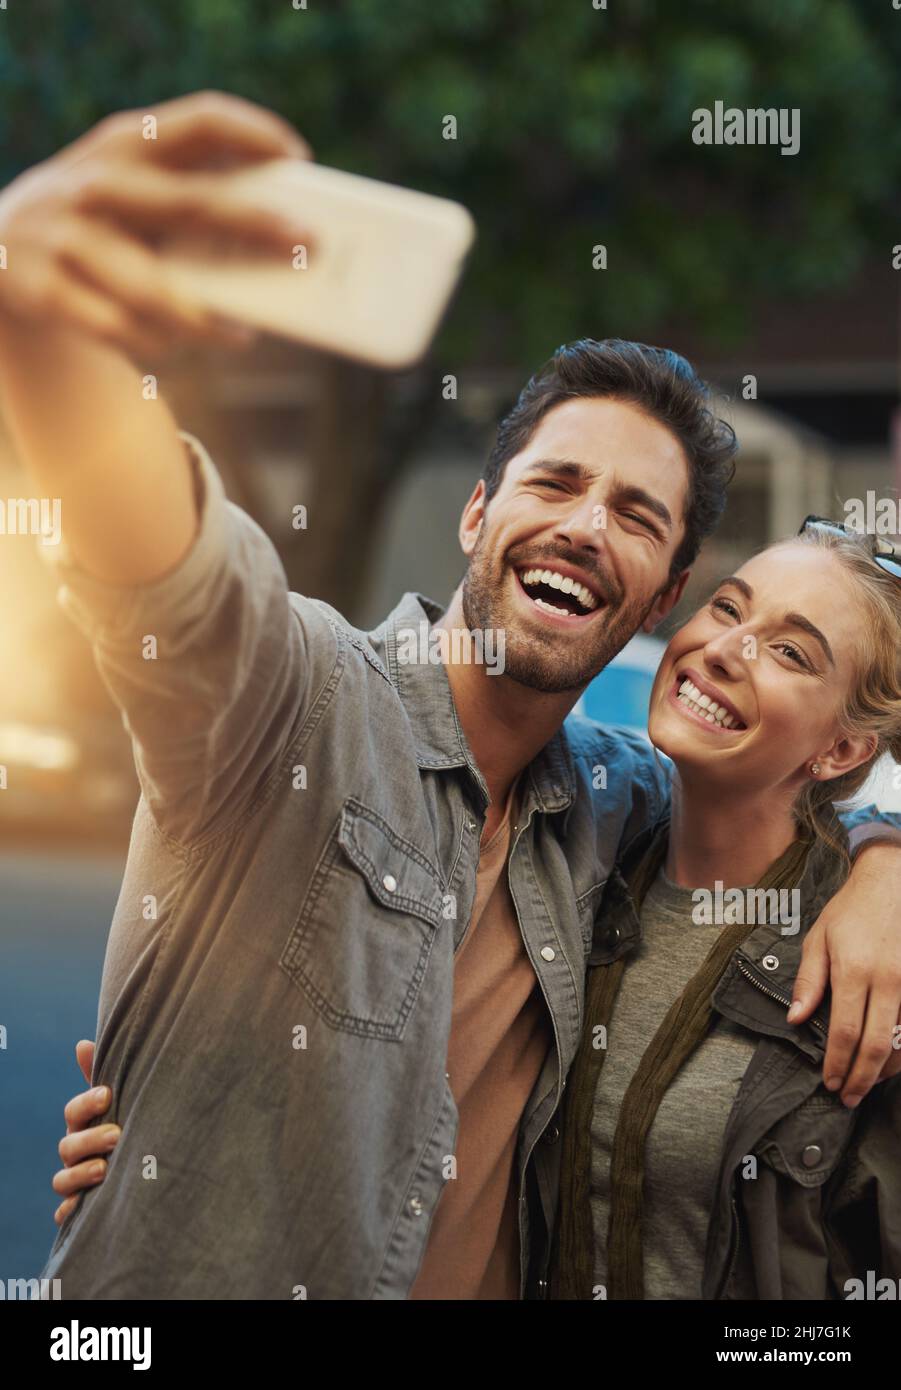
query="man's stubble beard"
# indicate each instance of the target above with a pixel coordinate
(544, 665)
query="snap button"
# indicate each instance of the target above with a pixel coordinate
(416, 1206)
(552, 1135)
(548, 953)
(470, 825)
(811, 1155)
(389, 883)
(770, 962)
(610, 936)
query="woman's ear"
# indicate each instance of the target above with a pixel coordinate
(472, 517)
(846, 753)
(665, 602)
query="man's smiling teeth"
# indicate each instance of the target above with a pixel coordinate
(583, 596)
(690, 695)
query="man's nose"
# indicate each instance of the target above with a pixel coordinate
(584, 525)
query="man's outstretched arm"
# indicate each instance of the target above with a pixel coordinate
(181, 595)
(83, 292)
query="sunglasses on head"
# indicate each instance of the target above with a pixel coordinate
(881, 551)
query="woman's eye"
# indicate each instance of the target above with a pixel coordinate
(793, 653)
(727, 606)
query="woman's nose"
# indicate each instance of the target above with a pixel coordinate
(729, 650)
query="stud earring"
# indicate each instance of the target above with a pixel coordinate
(814, 769)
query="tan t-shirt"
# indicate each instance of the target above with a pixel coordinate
(500, 1035)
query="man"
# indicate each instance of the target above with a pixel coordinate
(345, 976)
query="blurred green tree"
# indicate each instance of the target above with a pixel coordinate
(573, 130)
(574, 127)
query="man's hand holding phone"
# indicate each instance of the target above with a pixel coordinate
(81, 230)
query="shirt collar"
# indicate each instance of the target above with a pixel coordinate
(426, 695)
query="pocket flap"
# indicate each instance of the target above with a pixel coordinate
(809, 1143)
(397, 873)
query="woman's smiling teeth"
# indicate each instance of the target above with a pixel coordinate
(689, 695)
(546, 583)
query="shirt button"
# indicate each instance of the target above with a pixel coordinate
(811, 1156)
(552, 1135)
(548, 953)
(770, 962)
(470, 825)
(416, 1206)
(389, 883)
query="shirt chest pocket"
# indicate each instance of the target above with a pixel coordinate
(361, 942)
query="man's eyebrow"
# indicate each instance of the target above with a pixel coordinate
(625, 492)
(564, 467)
(630, 492)
(794, 619)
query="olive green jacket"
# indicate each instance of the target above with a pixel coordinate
(820, 1205)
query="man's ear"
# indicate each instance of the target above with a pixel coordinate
(665, 602)
(846, 753)
(472, 517)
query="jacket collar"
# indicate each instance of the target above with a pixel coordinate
(761, 972)
(424, 690)
(766, 963)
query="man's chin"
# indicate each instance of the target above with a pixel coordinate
(543, 666)
(544, 681)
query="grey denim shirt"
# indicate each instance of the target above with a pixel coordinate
(276, 996)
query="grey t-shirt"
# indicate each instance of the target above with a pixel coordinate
(683, 1146)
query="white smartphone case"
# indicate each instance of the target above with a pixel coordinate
(380, 268)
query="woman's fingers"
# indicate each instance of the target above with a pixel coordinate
(88, 1143)
(84, 1056)
(85, 1107)
(64, 1208)
(76, 1179)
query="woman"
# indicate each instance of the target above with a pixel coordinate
(701, 1155)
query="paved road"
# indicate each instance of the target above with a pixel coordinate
(55, 911)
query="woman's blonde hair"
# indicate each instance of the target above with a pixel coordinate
(873, 703)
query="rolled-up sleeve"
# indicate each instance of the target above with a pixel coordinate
(211, 664)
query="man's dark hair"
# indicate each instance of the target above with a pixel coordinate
(662, 384)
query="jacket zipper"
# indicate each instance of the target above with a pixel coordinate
(774, 994)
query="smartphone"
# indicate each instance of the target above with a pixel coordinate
(372, 284)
